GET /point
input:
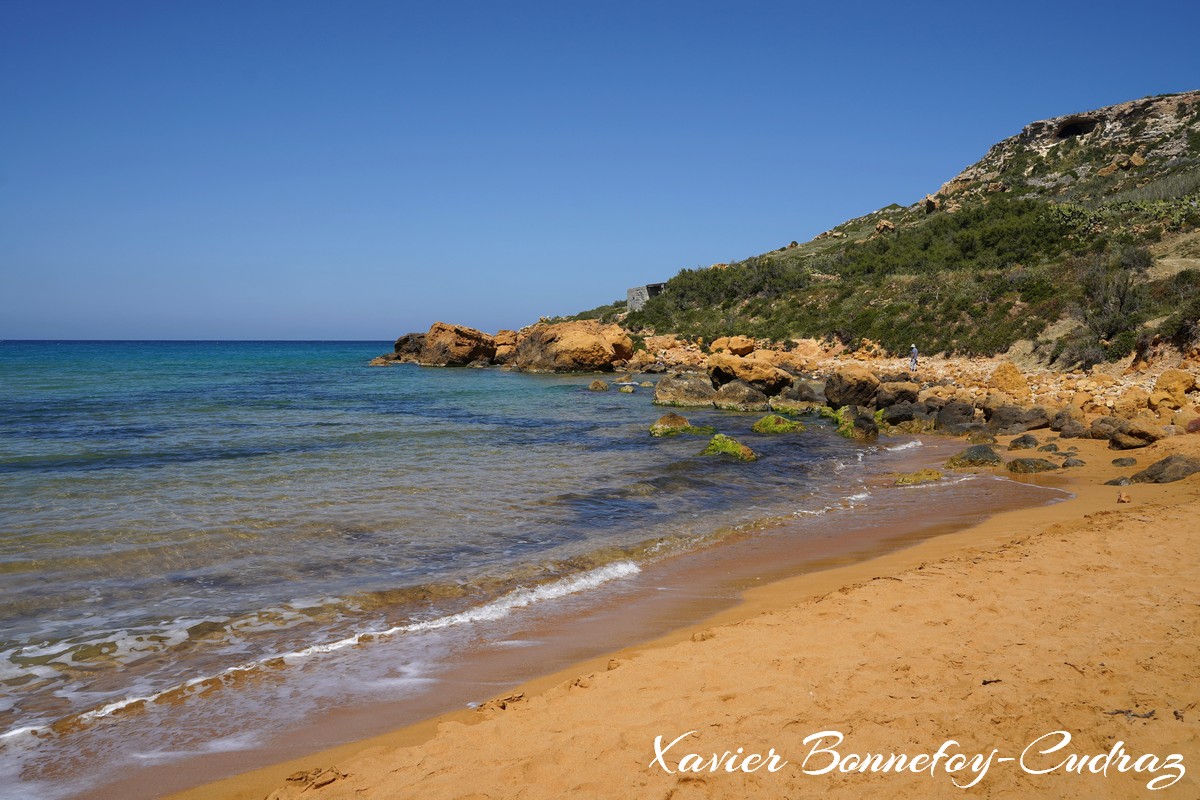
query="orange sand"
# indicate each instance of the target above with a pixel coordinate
(1033, 622)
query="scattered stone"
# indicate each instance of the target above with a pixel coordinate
(980, 455)
(918, 477)
(598, 386)
(1026, 442)
(739, 396)
(688, 391)
(1124, 461)
(1047, 448)
(725, 445)
(1121, 481)
(773, 423)
(1074, 462)
(1168, 470)
(1025, 466)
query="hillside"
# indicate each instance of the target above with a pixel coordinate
(1079, 235)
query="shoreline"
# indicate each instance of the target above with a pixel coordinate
(788, 595)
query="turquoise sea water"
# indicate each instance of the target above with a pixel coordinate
(177, 515)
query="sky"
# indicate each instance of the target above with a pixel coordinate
(358, 170)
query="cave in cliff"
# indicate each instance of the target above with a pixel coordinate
(1076, 126)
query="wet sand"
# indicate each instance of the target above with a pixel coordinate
(1031, 622)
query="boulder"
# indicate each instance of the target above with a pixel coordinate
(1171, 388)
(1065, 415)
(581, 346)
(893, 392)
(1008, 379)
(804, 391)
(1026, 442)
(1124, 461)
(1132, 402)
(738, 345)
(857, 423)
(449, 345)
(1074, 462)
(726, 367)
(955, 414)
(627, 389)
(851, 385)
(903, 412)
(1133, 434)
(725, 445)
(598, 386)
(1104, 427)
(1025, 466)
(739, 396)
(1170, 469)
(885, 226)
(1073, 430)
(688, 391)
(980, 455)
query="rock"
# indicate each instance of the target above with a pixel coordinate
(918, 477)
(1124, 461)
(980, 455)
(885, 226)
(980, 437)
(782, 406)
(1193, 426)
(1105, 427)
(931, 204)
(1025, 466)
(449, 345)
(1047, 448)
(1121, 481)
(738, 345)
(1171, 388)
(902, 412)
(726, 367)
(627, 389)
(409, 346)
(1123, 497)
(1026, 442)
(804, 391)
(1064, 416)
(688, 391)
(739, 396)
(1008, 379)
(674, 424)
(385, 360)
(506, 346)
(1073, 430)
(893, 392)
(598, 386)
(1170, 469)
(1074, 462)
(850, 385)
(1132, 402)
(725, 445)
(954, 414)
(581, 346)
(1135, 433)
(773, 423)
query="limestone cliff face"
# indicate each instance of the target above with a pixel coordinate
(1091, 153)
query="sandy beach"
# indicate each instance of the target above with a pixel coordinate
(984, 645)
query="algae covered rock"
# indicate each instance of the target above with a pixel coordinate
(674, 424)
(598, 386)
(728, 446)
(626, 389)
(918, 477)
(773, 423)
(1026, 466)
(980, 455)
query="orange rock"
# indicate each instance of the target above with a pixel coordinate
(455, 345)
(1008, 379)
(580, 346)
(738, 345)
(758, 372)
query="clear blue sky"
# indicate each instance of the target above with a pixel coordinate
(346, 170)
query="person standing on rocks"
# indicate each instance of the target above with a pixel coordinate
(912, 359)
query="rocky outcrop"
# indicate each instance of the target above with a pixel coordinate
(851, 385)
(581, 346)
(686, 391)
(448, 345)
(408, 347)
(726, 367)
(506, 346)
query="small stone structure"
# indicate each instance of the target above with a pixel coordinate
(637, 296)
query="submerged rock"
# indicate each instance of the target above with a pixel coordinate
(1026, 466)
(773, 423)
(918, 477)
(674, 424)
(598, 386)
(725, 445)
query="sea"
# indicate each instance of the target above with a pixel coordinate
(215, 554)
